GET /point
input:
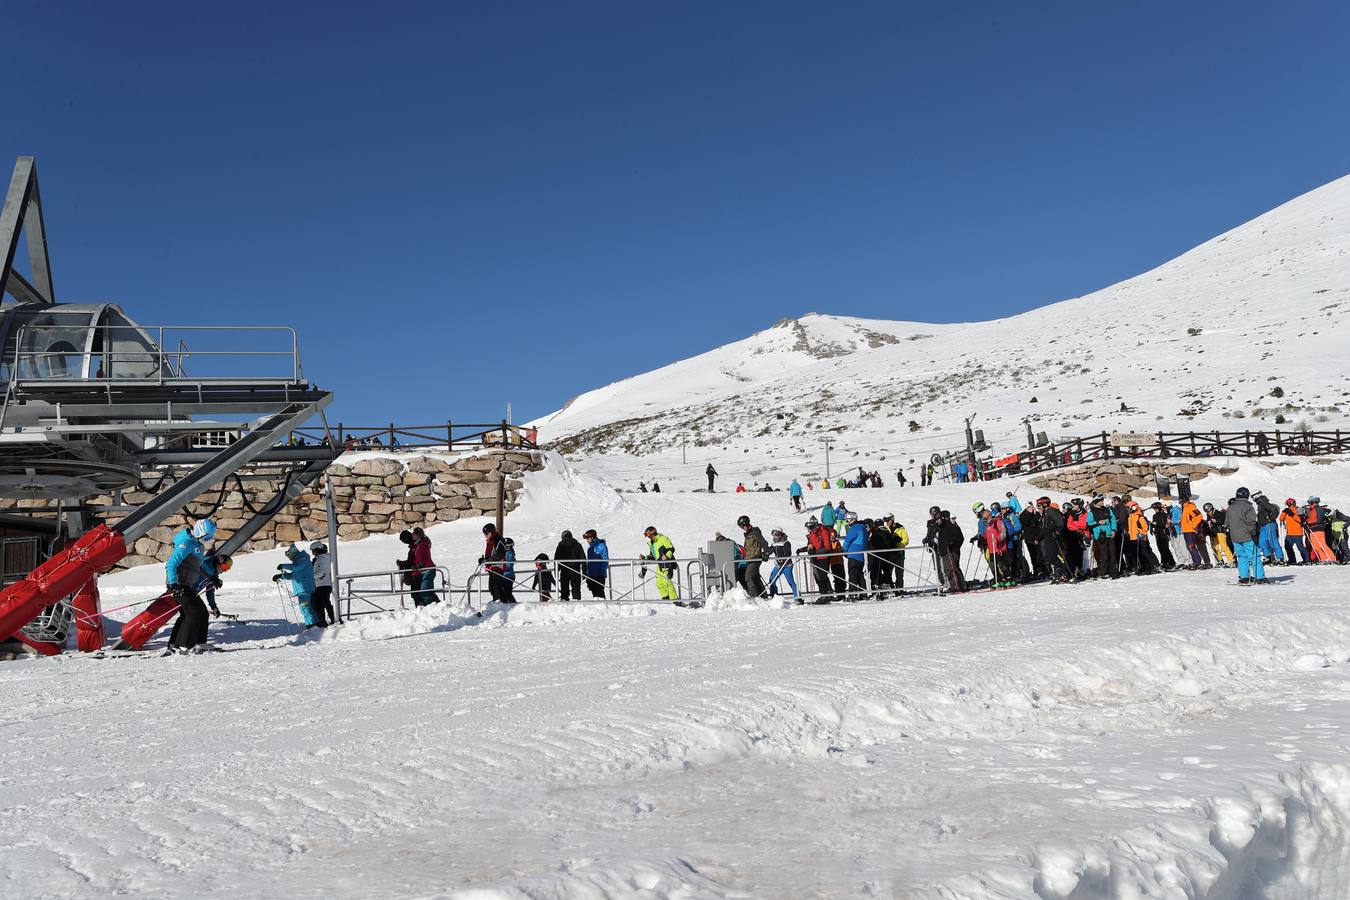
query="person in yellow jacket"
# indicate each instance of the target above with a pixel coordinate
(897, 554)
(1218, 536)
(660, 549)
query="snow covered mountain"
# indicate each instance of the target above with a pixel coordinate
(1231, 335)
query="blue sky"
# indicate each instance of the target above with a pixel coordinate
(462, 205)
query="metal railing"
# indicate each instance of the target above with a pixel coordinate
(122, 354)
(626, 580)
(451, 436)
(377, 590)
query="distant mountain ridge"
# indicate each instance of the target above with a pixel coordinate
(1243, 328)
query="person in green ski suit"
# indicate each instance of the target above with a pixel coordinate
(659, 549)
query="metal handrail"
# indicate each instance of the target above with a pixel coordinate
(395, 588)
(163, 360)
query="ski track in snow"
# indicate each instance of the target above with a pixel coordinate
(1162, 733)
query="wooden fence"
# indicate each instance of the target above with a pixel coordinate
(1165, 445)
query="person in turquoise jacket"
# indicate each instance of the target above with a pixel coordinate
(795, 492)
(855, 545)
(827, 515)
(300, 570)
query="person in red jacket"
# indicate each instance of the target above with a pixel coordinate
(1077, 553)
(493, 561)
(822, 542)
(418, 568)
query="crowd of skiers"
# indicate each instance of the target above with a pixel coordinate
(850, 558)
(1100, 539)
(574, 564)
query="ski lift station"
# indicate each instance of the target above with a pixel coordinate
(97, 404)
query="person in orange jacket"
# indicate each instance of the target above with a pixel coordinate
(1293, 533)
(1193, 533)
(1137, 531)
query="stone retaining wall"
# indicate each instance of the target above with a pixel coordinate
(1122, 476)
(380, 495)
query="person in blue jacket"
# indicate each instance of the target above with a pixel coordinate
(855, 548)
(1102, 526)
(795, 492)
(301, 573)
(597, 563)
(1013, 503)
(184, 570)
(827, 515)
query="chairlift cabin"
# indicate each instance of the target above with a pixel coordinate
(77, 341)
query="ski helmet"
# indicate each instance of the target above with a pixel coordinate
(812, 522)
(1290, 501)
(649, 531)
(567, 535)
(405, 536)
(489, 528)
(224, 564)
(318, 547)
(1243, 493)
(1209, 507)
(996, 507)
(743, 522)
(1312, 500)
(204, 530)
(292, 551)
(976, 507)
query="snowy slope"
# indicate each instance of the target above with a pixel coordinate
(1200, 342)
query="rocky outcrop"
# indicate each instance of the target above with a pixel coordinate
(380, 495)
(1122, 476)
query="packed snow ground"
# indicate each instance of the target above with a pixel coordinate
(1173, 736)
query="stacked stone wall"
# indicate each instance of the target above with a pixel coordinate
(378, 495)
(1122, 476)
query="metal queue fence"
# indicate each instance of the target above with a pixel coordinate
(633, 580)
(384, 591)
(626, 580)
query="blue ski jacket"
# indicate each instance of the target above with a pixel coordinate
(301, 571)
(597, 555)
(855, 542)
(827, 515)
(794, 489)
(1102, 527)
(184, 545)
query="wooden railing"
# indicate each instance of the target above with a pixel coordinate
(1166, 445)
(451, 436)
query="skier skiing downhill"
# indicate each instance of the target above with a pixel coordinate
(300, 571)
(185, 569)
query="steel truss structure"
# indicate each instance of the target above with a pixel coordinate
(95, 404)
